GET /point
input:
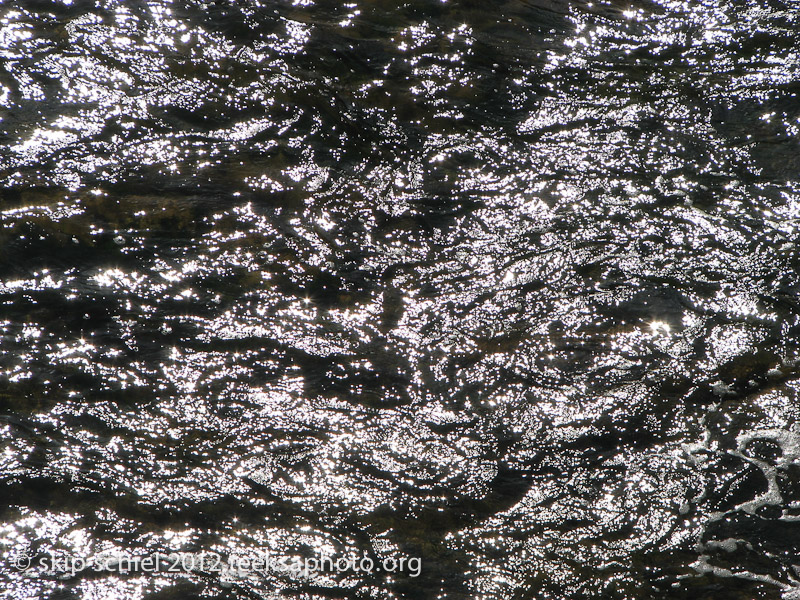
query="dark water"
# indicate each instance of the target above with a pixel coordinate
(508, 287)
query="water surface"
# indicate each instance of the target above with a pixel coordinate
(509, 287)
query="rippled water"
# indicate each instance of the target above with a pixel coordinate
(508, 287)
